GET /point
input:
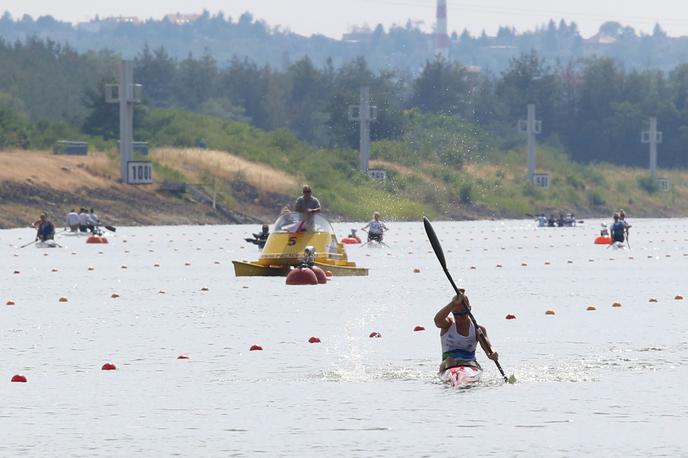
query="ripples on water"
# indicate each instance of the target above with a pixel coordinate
(607, 382)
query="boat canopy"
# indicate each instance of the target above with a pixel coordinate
(290, 222)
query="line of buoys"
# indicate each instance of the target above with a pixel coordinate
(109, 367)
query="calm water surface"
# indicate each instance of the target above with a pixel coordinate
(610, 382)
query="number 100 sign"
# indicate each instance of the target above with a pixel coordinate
(139, 172)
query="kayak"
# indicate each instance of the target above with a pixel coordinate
(47, 244)
(461, 376)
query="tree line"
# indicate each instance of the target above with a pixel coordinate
(592, 108)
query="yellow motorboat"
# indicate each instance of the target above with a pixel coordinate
(286, 244)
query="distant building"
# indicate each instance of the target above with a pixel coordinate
(600, 38)
(123, 19)
(181, 19)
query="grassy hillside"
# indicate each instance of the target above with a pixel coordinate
(438, 167)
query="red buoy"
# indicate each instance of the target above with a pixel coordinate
(256, 348)
(18, 378)
(302, 276)
(183, 356)
(328, 273)
(603, 240)
(319, 274)
(375, 334)
(510, 317)
(109, 367)
(350, 240)
(314, 340)
(418, 328)
(96, 239)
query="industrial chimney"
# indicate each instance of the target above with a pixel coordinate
(441, 37)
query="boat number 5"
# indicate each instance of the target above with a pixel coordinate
(292, 241)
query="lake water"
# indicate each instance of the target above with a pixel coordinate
(610, 382)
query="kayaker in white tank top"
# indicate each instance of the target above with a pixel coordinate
(459, 349)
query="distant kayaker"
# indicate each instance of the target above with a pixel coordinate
(45, 230)
(458, 335)
(622, 218)
(72, 220)
(618, 230)
(376, 228)
(307, 205)
(83, 220)
(93, 221)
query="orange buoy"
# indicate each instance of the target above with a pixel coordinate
(349, 240)
(97, 239)
(319, 274)
(114, 295)
(328, 273)
(18, 378)
(314, 340)
(53, 269)
(16, 272)
(652, 299)
(510, 317)
(602, 240)
(10, 302)
(416, 270)
(375, 335)
(63, 299)
(418, 328)
(256, 348)
(591, 308)
(183, 356)
(678, 297)
(204, 289)
(302, 276)
(550, 312)
(616, 304)
(109, 367)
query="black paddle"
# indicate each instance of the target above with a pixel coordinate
(434, 241)
(110, 228)
(30, 243)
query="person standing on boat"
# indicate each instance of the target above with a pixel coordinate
(618, 230)
(307, 205)
(375, 228)
(459, 336)
(45, 230)
(83, 220)
(72, 220)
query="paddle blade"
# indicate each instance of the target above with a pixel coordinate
(434, 241)
(111, 228)
(512, 379)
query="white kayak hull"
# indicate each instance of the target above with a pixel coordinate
(461, 376)
(47, 244)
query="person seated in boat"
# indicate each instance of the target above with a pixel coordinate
(260, 238)
(622, 218)
(376, 228)
(45, 230)
(541, 220)
(93, 221)
(72, 221)
(551, 222)
(83, 220)
(307, 205)
(604, 232)
(618, 230)
(353, 235)
(561, 222)
(458, 335)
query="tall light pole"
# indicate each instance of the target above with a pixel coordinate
(653, 137)
(364, 114)
(531, 127)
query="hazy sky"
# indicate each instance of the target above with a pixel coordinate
(334, 17)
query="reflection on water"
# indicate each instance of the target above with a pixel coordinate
(613, 375)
